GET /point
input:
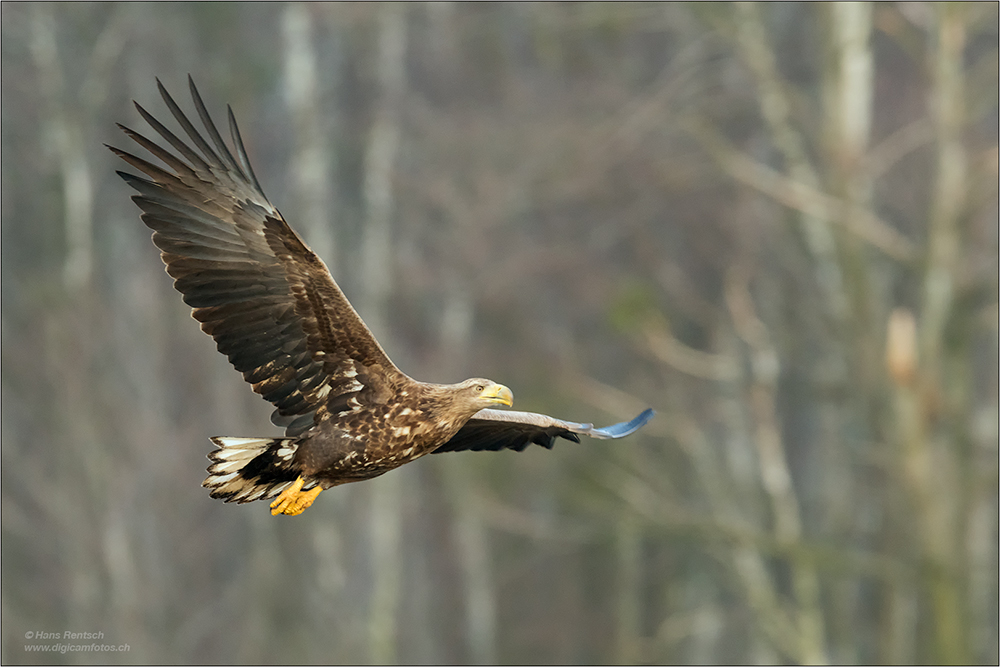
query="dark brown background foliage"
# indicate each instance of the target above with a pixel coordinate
(776, 225)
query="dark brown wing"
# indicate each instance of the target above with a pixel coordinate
(493, 430)
(267, 300)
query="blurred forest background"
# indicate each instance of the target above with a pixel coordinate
(774, 224)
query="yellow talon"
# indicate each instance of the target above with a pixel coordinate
(294, 500)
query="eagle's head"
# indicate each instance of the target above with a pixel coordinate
(479, 393)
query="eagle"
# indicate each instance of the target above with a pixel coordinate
(274, 310)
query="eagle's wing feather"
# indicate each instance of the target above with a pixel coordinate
(493, 430)
(268, 301)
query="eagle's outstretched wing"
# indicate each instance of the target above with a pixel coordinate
(493, 430)
(256, 287)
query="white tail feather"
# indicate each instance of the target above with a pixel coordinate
(271, 468)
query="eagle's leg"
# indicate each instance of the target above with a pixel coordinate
(294, 500)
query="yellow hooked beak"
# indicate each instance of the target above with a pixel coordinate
(497, 393)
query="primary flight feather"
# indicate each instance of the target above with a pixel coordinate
(276, 312)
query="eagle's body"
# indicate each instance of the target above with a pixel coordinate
(275, 311)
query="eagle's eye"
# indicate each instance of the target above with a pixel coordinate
(480, 387)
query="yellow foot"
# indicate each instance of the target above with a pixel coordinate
(294, 500)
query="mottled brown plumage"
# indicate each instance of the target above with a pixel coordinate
(275, 311)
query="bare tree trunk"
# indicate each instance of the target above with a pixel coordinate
(775, 476)
(931, 459)
(311, 185)
(387, 562)
(776, 109)
(456, 330)
(310, 170)
(848, 91)
(383, 144)
(477, 569)
(470, 524)
(65, 131)
(95, 531)
(629, 589)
